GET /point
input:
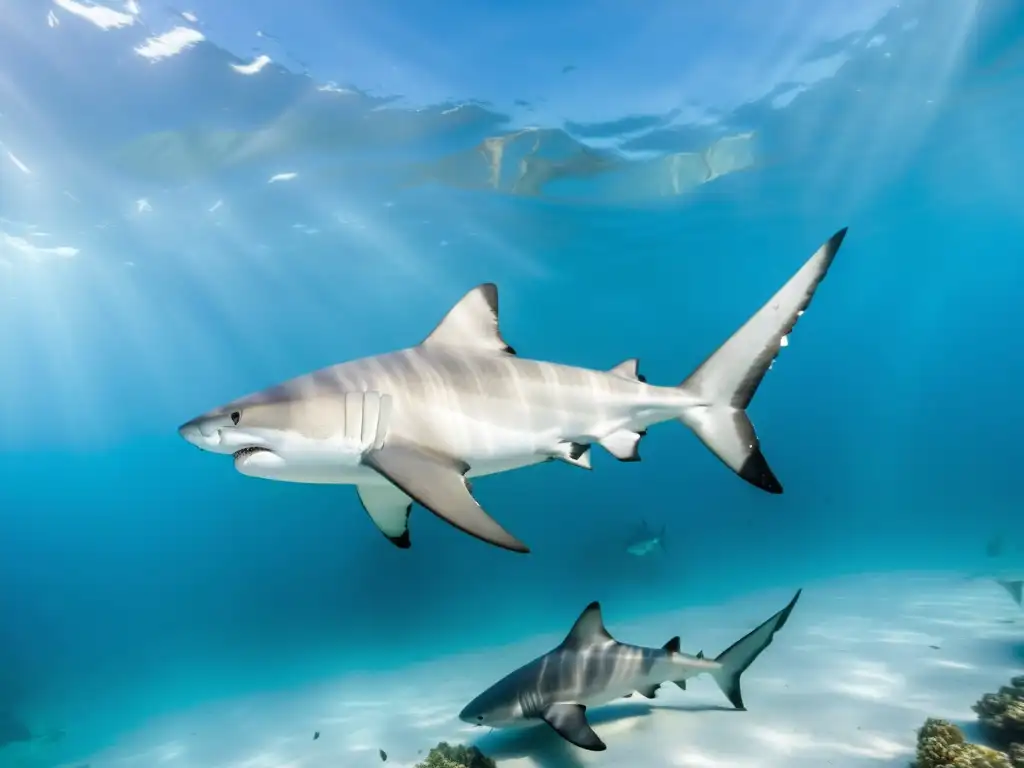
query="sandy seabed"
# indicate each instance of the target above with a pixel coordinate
(860, 665)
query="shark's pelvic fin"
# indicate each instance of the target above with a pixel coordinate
(570, 722)
(737, 657)
(725, 383)
(472, 324)
(628, 369)
(588, 630)
(576, 454)
(623, 444)
(439, 484)
(389, 509)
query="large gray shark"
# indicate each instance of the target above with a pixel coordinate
(413, 425)
(591, 668)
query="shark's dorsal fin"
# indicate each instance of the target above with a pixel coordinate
(672, 646)
(588, 630)
(628, 369)
(1015, 588)
(472, 323)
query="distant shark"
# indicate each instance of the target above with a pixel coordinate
(591, 668)
(646, 542)
(12, 730)
(413, 425)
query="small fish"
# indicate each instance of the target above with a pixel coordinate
(383, 755)
(316, 735)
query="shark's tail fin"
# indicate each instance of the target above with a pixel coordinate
(741, 654)
(725, 383)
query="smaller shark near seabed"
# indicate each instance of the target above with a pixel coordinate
(591, 668)
(645, 541)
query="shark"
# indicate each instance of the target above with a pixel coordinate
(590, 668)
(417, 424)
(645, 541)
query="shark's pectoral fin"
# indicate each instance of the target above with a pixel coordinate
(472, 323)
(623, 444)
(439, 484)
(570, 722)
(389, 509)
(650, 691)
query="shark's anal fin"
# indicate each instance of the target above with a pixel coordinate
(629, 369)
(472, 323)
(576, 454)
(389, 509)
(439, 484)
(570, 722)
(623, 444)
(650, 691)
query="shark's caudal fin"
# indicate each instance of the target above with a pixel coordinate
(726, 382)
(741, 654)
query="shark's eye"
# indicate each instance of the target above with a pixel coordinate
(235, 416)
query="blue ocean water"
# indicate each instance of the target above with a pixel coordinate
(197, 203)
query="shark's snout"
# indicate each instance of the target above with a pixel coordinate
(190, 432)
(208, 434)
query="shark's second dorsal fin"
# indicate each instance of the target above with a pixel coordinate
(472, 323)
(628, 369)
(588, 630)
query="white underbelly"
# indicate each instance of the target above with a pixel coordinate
(361, 475)
(486, 448)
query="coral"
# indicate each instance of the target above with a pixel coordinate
(444, 755)
(1017, 755)
(942, 745)
(1002, 714)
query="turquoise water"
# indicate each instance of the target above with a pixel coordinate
(181, 224)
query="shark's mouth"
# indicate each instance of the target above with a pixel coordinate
(247, 452)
